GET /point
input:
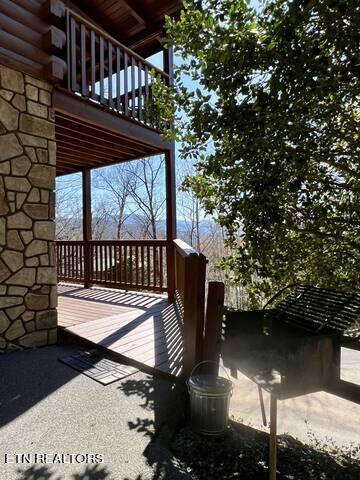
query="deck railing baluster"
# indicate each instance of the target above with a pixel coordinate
(126, 84)
(110, 73)
(118, 82)
(102, 70)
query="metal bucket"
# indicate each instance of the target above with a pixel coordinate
(209, 402)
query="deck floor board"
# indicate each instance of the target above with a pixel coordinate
(143, 328)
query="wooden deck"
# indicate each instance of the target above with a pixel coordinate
(144, 329)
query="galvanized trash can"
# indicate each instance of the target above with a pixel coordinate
(209, 402)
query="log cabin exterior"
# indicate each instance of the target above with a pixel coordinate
(75, 91)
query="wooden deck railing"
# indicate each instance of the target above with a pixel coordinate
(102, 69)
(126, 264)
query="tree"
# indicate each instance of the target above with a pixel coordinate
(274, 131)
(115, 181)
(146, 188)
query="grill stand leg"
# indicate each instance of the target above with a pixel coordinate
(272, 438)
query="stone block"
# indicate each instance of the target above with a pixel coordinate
(14, 240)
(20, 166)
(34, 339)
(42, 155)
(37, 109)
(45, 196)
(15, 312)
(9, 115)
(19, 102)
(45, 320)
(4, 205)
(9, 147)
(6, 95)
(18, 184)
(20, 291)
(44, 260)
(33, 301)
(20, 199)
(37, 211)
(5, 168)
(6, 302)
(4, 272)
(53, 297)
(27, 316)
(20, 221)
(44, 230)
(32, 141)
(42, 176)
(11, 79)
(36, 126)
(30, 326)
(2, 231)
(46, 275)
(31, 153)
(36, 247)
(24, 277)
(38, 83)
(34, 196)
(15, 330)
(52, 205)
(4, 322)
(52, 152)
(32, 262)
(45, 98)
(3, 344)
(26, 236)
(31, 92)
(14, 260)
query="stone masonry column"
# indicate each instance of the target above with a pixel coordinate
(28, 296)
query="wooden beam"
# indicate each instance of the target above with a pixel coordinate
(170, 218)
(94, 114)
(137, 10)
(54, 40)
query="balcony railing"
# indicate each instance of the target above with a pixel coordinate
(126, 264)
(102, 69)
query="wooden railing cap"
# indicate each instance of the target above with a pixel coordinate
(184, 249)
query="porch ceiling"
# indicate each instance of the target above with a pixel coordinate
(136, 23)
(83, 145)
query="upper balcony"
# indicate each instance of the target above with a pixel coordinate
(102, 70)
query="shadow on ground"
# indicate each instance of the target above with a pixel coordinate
(44, 472)
(28, 377)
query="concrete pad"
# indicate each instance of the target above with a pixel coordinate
(47, 407)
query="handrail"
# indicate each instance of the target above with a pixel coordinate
(102, 32)
(150, 241)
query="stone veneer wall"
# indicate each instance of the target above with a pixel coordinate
(27, 229)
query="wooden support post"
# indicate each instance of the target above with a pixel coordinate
(170, 219)
(193, 304)
(169, 64)
(272, 438)
(86, 195)
(213, 324)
